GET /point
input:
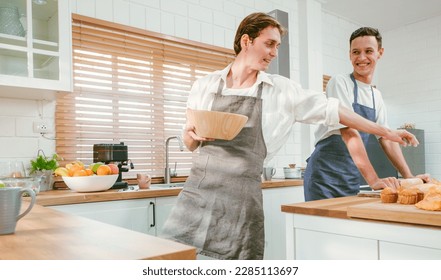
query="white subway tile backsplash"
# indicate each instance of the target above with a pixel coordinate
(103, 10)
(194, 30)
(177, 7)
(137, 16)
(121, 12)
(153, 20)
(200, 13)
(7, 126)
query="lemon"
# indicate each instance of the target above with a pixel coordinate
(62, 171)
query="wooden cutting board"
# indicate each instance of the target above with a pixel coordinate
(395, 212)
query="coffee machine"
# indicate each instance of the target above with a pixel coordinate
(113, 153)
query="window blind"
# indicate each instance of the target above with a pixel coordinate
(131, 86)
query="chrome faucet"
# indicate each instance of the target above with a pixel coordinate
(167, 169)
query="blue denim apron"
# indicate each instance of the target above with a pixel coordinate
(331, 172)
(220, 208)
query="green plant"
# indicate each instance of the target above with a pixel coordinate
(41, 162)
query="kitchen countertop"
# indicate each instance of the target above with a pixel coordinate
(333, 207)
(46, 234)
(61, 197)
(368, 209)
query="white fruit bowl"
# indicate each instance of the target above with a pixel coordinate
(94, 183)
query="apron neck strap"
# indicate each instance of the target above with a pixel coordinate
(259, 89)
(356, 92)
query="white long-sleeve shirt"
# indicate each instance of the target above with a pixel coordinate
(284, 103)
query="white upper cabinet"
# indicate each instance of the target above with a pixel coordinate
(35, 46)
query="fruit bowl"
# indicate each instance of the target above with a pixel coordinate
(217, 125)
(94, 183)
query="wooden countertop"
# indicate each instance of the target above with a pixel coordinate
(46, 234)
(333, 207)
(356, 207)
(61, 197)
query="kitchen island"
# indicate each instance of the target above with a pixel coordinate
(327, 229)
(46, 234)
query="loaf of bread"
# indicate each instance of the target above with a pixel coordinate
(407, 196)
(431, 201)
(388, 195)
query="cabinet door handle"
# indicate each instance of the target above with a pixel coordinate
(154, 214)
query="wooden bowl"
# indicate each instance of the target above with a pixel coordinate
(217, 125)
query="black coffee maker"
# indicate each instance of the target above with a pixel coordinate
(113, 153)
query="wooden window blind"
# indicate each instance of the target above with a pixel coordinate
(131, 86)
(326, 79)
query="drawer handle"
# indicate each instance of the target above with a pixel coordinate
(154, 214)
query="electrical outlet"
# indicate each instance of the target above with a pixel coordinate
(42, 127)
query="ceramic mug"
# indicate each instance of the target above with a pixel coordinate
(144, 181)
(10, 201)
(268, 173)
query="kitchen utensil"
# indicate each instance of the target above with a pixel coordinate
(217, 125)
(93, 183)
(268, 173)
(10, 201)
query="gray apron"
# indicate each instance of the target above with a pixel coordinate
(220, 210)
(330, 171)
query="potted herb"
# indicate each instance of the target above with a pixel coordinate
(43, 167)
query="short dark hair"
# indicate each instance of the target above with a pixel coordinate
(252, 25)
(367, 31)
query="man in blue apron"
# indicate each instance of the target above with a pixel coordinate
(333, 170)
(220, 210)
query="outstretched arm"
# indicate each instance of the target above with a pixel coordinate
(353, 120)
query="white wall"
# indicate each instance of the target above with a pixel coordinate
(410, 79)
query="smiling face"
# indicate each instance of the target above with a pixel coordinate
(364, 54)
(263, 49)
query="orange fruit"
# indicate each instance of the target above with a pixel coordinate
(73, 168)
(103, 170)
(89, 171)
(79, 173)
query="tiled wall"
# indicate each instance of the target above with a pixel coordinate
(214, 22)
(411, 82)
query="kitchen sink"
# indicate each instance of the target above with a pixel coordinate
(166, 186)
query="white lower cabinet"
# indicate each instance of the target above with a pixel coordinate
(396, 251)
(275, 235)
(146, 215)
(311, 237)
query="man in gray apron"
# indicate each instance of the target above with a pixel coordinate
(333, 173)
(222, 195)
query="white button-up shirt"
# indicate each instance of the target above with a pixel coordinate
(284, 103)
